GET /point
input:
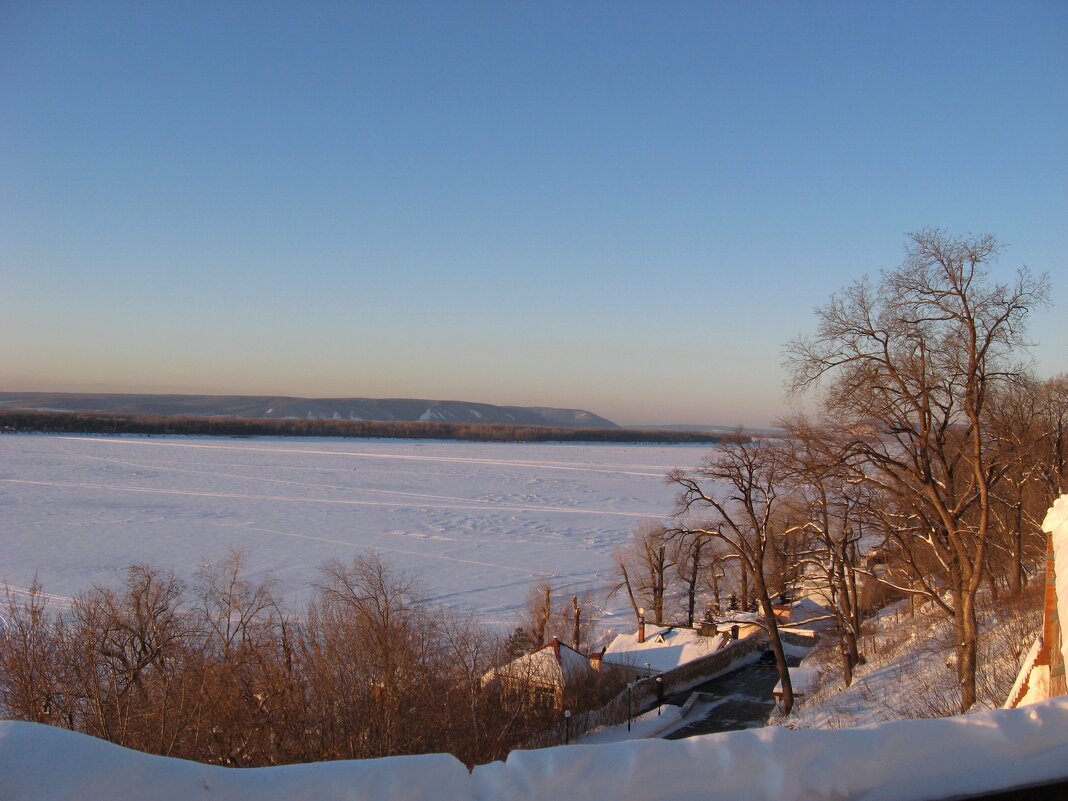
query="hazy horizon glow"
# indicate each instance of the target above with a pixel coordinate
(621, 207)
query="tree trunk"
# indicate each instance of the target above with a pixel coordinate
(630, 591)
(691, 591)
(577, 629)
(776, 647)
(659, 587)
(546, 613)
(847, 662)
(967, 651)
(1017, 547)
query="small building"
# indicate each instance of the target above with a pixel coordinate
(642, 654)
(545, 673)
(802, 681)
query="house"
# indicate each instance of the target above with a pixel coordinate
(642, 654)
(545, 673)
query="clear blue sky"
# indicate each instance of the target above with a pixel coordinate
(626, 207)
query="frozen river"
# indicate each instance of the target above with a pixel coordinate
(478, 522)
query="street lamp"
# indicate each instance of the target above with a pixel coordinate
(567, 726)
(630, 686)
(659, 693)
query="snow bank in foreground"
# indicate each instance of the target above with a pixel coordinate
(1056, 524)
(914, 759)
(42, 763)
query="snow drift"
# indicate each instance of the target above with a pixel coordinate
(916, 759)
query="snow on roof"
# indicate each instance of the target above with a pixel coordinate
(665, 648)
(555, 663)
(1056, 524)
(808, 609)
(730, 618)
(802, 680)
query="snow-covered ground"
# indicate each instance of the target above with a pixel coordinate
(909, 670)
(478, 522)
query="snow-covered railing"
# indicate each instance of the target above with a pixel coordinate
(1030, 681)
(906, 760)
(1042, 672)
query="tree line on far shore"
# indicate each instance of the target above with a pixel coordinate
(112, 423)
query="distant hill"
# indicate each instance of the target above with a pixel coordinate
(281, 408)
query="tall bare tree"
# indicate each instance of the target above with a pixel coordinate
(691, 555)
(539, 612)
(908, 366)
(827, 506)
(1053, 412)
(737, 492)
(29, 674)
(642, 569)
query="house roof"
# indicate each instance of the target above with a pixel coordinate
(809, 611)
(665, 648)
(555, 663)
(802, 680)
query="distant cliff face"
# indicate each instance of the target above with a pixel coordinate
(264, 406)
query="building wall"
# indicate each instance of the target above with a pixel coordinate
(644, 691)
(1043, 675)
(1052, 654)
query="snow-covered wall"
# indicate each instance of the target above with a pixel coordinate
(902, 760)
(1056, 525)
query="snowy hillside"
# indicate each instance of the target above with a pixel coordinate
(257, 406)
(908, 672)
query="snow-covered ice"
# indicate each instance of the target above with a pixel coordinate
(478, 522)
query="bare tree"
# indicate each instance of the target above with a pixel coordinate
(642, 569)
(221, 676)
(1053, 445)
(29, 684)
(698, 562)
(909, 365)
(247, 679)
(579, 619)
(546, 616)
(738, 491)
(539, 612)
(368, 643)
(827, 508)
(1024, 425)
(126, 658)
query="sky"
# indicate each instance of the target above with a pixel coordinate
(624, 207)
